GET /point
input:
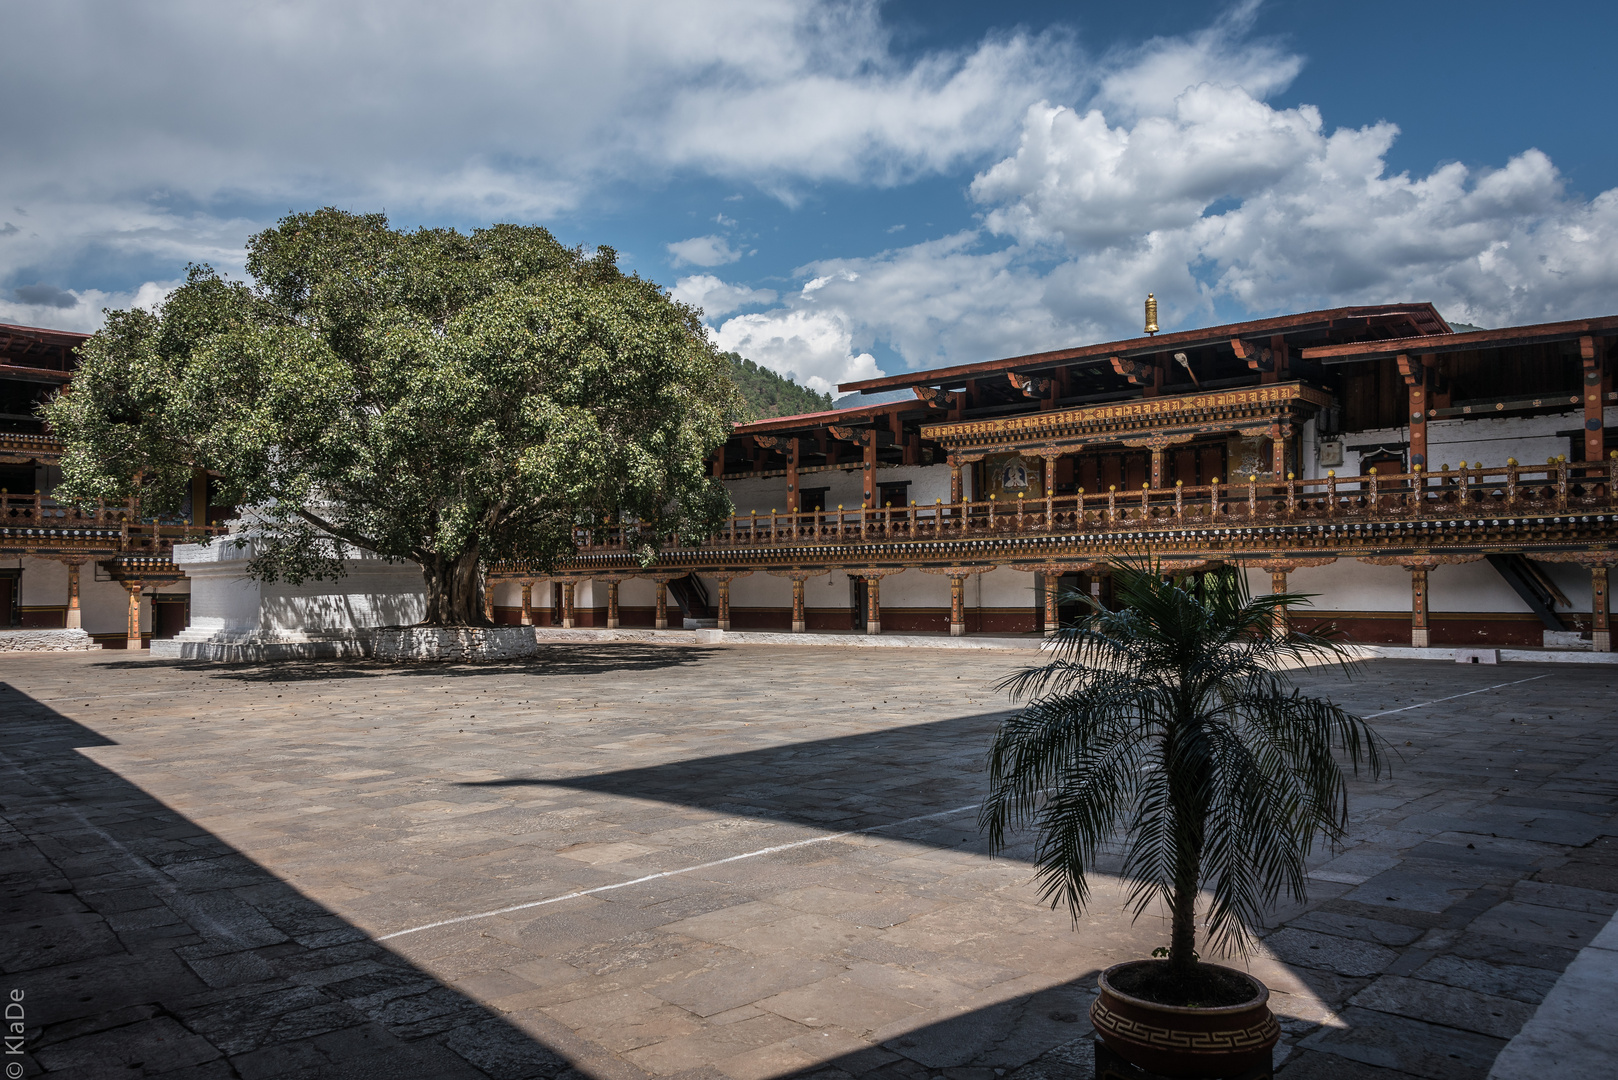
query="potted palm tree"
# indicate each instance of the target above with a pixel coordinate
(1170, 729)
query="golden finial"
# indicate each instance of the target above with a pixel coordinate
(1151, 314)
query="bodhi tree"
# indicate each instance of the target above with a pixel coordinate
(444, 398)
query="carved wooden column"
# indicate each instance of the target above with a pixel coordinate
(567, 605)
(724, 578)
(75, 617)
(662, 622)
(1600, 631)
(873, 596)
(528, 601)
(869, 487)
(1278, 452)
(1050, 487)
(957, 592)
(956, 488)
(1595, 386)
(1415, 377)
(612, 604)
(1095, 587)
(1278, 569)
(794, 502)
(799, 619)
(1419, 635)
(132, 637)
(1052, 611)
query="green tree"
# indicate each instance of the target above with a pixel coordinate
(444, 398)
(1171, 724)
(768, 394)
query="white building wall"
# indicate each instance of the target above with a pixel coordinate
(928, 483)
(761, 590)
(44, 582)
(1347, 585)
(1003, 588)
(829, 591)
(914, 589)
(104, 605)
(642, 592)
(1489, 440)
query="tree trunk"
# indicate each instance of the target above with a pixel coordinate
(1183, 932)
(454, 590)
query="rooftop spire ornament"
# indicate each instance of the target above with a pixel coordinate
(1151, 314)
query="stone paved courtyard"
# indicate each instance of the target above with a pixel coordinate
(216, 871)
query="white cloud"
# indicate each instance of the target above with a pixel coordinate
(814, 348)
(703, 251)
(715, 297)
(168, 128)
(1305, 217)
(79, 309)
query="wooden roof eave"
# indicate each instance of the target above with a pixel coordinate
(1415, 314)
(1471, 341)
(856, 417)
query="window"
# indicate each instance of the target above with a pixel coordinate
(811, 499)
(894, 494)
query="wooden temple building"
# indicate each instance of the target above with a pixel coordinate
(107, 571)
(1427, 487)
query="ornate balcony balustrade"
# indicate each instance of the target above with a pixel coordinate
(106, 530)
(1392, 500)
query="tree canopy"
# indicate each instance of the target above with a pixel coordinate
(768, 394)
(429, 395)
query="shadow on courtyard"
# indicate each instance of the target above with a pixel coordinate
(865, 781)
(146, 944)
(551, 661)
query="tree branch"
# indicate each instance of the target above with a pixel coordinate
(342, 534)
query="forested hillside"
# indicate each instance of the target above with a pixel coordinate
(768, 394)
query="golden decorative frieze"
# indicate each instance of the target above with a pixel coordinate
(1189, 414)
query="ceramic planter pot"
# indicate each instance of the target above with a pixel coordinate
(1182, 1041)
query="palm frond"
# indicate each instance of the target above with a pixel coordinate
(1171, 727)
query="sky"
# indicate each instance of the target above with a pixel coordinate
(848, 188)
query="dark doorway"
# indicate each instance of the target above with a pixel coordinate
(893, 495)
(1070, 608)
(170, 615)
(9, 610)
(812, 500)
(859, 592)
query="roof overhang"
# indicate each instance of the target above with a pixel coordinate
(1472, 341)
(1422, 319)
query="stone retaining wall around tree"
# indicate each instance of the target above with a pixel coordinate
(453, 643)
(46, 641)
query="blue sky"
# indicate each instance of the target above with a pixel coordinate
(845, 188)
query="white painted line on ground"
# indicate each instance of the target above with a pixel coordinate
(1452, 697)
(672, 873)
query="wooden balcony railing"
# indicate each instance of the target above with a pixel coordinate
(1459, 494)
(119, 528)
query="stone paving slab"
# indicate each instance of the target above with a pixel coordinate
(221, 870)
